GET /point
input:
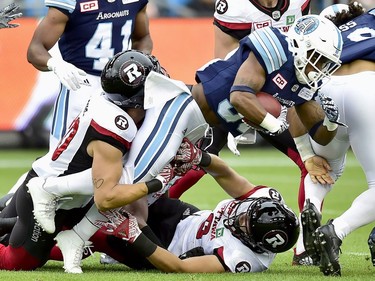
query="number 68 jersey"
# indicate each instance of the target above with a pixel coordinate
(207, 229)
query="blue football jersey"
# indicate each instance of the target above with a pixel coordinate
(271, 48)
(359, 38)
(96, 30)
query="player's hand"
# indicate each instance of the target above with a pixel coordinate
(7, 15)
(69, 75)
(121, 224)
(283, 123)
(188, 156)
(319, 170)
(166, 174)
(330, 109)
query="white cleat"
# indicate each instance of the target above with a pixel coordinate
(72, 247)
(45, 204)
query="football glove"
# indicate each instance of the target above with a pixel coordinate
(7, 15)
(188, 156)
(68, 74)
(283, 123)
(121, 224)
(330, 109)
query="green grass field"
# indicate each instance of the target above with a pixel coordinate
(260, 166)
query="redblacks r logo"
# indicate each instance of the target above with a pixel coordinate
(89, 6)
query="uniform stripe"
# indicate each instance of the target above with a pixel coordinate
(159, 138)
(63, 4)
(269, 47)
(60, 114)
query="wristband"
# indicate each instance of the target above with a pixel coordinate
(242, 88)
(330, 126)
(143, 246)
(205, 160)
(304, 147)
(153, 185)
(270, 123)
(51, 63)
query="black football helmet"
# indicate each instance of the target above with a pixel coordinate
(264, 224)
(124, 76)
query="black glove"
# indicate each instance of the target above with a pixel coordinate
(195, 252)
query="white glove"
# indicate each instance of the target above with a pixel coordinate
(7, 14)
(249, 137)
(68, 74)
(232, 144)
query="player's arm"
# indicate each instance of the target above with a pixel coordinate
(223, 43)
(141, 37)
(106, 174)
(45, 37)
(126, 227)
(232, 183)
(313, 118)
(317, 166)
(168, 262)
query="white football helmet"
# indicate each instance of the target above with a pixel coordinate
(317, 42)
(331, 11)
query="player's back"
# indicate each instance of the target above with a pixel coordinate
(359, 38)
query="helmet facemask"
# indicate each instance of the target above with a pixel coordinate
(316, 44)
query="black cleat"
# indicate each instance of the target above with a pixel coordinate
(371, 244)
(310, 220)
(329, 246)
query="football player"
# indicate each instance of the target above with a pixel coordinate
(349, 88)
(303, 68)
(240, 235)
(99, 138)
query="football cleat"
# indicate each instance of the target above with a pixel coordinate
(72, 247)
(310, 220)
(45, 204)
(371, 244)
(302, 259)
(106, 259)
(329, 247)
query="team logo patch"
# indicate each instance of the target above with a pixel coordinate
(121, 122)
(132, 73)
(221, 7)
(279, 81)
(243, 266)
(306, 25)
(89, 6)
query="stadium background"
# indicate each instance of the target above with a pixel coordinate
(183, 41)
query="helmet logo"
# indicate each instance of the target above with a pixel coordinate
(306, 25)
(221, 7)
(275, 239)
(121, 122)
(132, 73)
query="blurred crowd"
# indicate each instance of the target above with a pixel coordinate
(173, 8)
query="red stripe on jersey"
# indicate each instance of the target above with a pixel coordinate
(251, 192)
(107, 132)
(235, 26)
(305, 6)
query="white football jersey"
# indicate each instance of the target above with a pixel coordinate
(249, 15)
(100, 120)
(206, 229)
